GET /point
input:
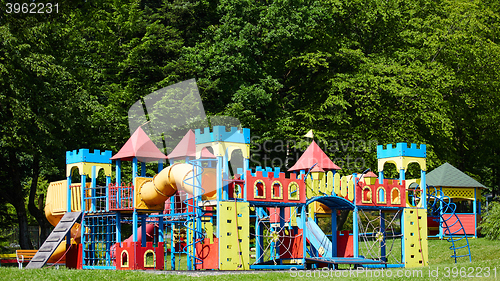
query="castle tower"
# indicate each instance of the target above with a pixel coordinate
(401, 155)
(413, 219)
(88, 164)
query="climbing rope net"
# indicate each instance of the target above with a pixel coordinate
(373, 237)
(278, 239)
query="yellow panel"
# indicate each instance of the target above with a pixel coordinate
(336, 184)
(311, 211)
(321, 179)
(343, 188)
(402, 162)
(309, 188)
(350, 192)
(85, 168)
(329, 182)
(317, 183)
(220, 149)
(76, 196)
(139, 203)
(321, 208)
(415, 237)
(234, 236)
(57, 197)
(457, 192)
(209, 230)
(293, 215)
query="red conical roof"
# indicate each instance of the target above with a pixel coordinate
(139, 145)
(187, 148)
(314, 154)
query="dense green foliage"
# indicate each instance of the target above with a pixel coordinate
(490, 226)
(359, 73)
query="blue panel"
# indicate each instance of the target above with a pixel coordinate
(384, 265)
(99, 267)
(271, 266)
(84, 155)
(401, 149)
(219, 134)
(276, 172)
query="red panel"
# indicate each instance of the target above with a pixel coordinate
(467, 221)
(344, 244)
(74, 257)
(208, 253)
(121, 197)
(362, 194)
(268, 181)
(134, 255)
(291, 244)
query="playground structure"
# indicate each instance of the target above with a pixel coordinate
(196, 215)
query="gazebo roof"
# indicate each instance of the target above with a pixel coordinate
(314, 154)
(448, 176)
(371, 174)
(139, 145)
(187, 148)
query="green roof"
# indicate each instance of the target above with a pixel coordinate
(449, 176)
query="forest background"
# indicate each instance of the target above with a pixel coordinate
(357, 72)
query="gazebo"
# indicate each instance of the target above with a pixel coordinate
(463, 191)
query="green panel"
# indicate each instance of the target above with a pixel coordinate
(234, 236)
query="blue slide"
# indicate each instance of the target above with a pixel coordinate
(317, 238)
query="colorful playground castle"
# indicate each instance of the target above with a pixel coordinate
(195, 214)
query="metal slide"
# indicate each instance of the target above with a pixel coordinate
(55, 238)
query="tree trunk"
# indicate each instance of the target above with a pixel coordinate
(344, 214)
(34, 211)
(22, 220)
(13, 192)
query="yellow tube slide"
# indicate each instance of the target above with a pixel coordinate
(166, 183)
(54, 211)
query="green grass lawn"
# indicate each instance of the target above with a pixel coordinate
(485, 254)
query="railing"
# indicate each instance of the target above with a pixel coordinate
(121, 197)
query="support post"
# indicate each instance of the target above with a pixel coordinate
(143, 169)
(303, 217)
(93, 191)
(355, 228)
(381, 177)
(83, 179)
(143, 231)
(474, 207)
(118, 227)
(134, 170)
(382, 243)
(334, 233)
(258, 237)
(423, 184)
(108, 183)
(68, 181)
